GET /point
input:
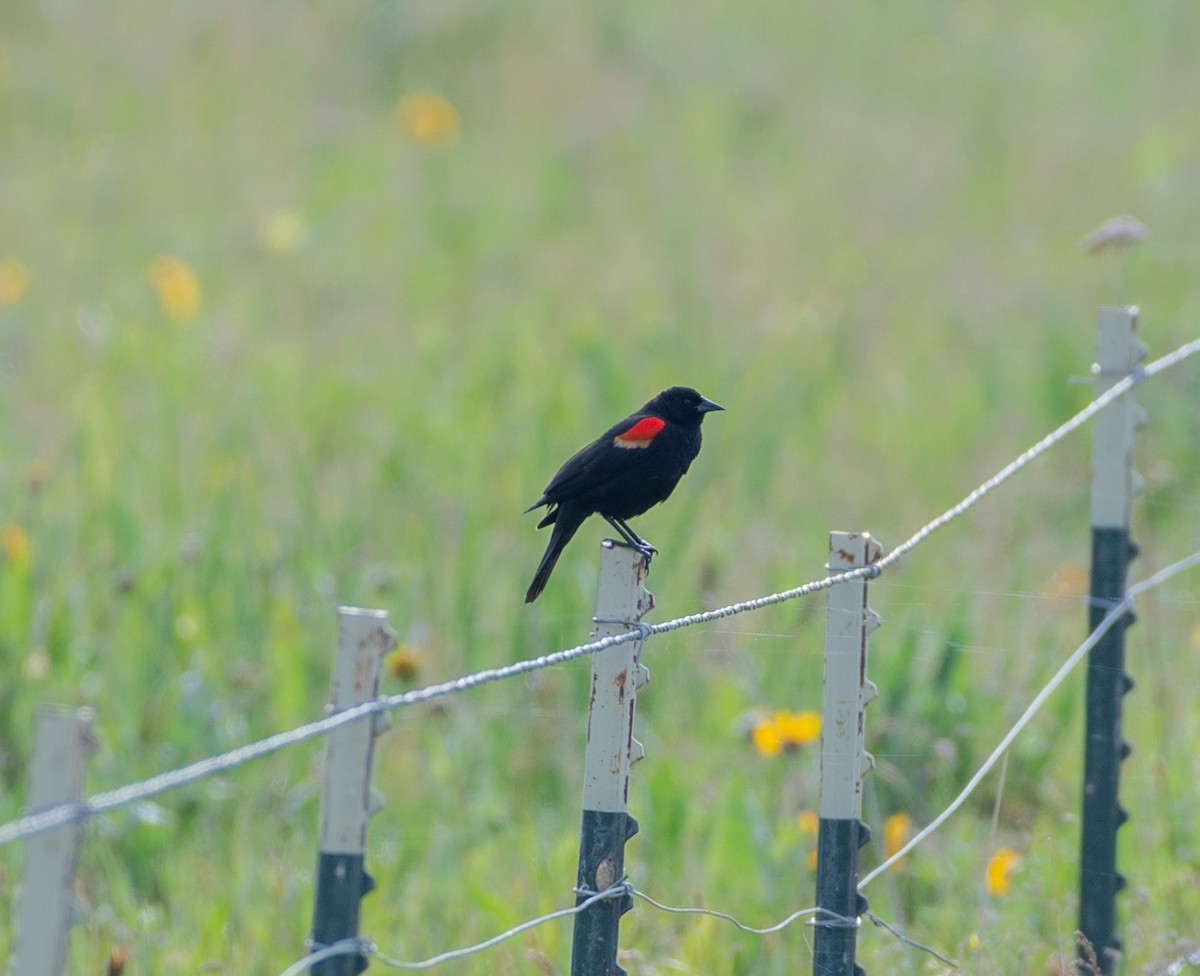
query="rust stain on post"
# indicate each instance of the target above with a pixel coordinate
(619, 681)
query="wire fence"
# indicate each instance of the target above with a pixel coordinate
(1115, 613)
(134, 792)
(98, 803)
(366, 947)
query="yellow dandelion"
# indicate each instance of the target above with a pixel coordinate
(766, 738)
(1000, 867)
(402, 663)
(14, 279)
(14, 543)
(429, 118)
(809, 821)
(974, 942)
(797, 728)
(897, 830)
(810, 859)
(281, 231)
(177, 287)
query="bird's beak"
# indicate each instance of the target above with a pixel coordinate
(706, 405)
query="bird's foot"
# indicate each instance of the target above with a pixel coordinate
(647, 552)
(642, 547)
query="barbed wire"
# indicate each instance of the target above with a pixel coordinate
(1118, 389)
(102, 802)
(1117, 611)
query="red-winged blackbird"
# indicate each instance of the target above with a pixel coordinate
(630, 468)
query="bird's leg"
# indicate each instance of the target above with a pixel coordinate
(639, 543)
(623, 530)
(631, 538)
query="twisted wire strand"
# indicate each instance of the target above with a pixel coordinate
(621, 888)
(366, 947)
(101, 802)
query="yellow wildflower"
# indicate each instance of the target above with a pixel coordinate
(429, 118)
(797, 728)
(177, 288)
(999, 871)
(785, 730)
(14, 278)
(766, 738)
(897, 830)
(809, 821)
(974, 942)
(402, 663)
(14, 543)
(810, 859)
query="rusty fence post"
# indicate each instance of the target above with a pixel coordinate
(617, 673)
(1118, 352)
(342, 880)
(844, 759)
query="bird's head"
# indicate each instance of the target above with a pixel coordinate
(681, 405)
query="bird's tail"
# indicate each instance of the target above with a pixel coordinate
(565, 526)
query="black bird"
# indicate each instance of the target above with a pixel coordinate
(630, 468)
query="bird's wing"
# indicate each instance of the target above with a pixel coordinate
(618, 450)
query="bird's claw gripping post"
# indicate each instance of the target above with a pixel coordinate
(643, 549)
(647, 552)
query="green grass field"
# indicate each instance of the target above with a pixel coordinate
(279, 332)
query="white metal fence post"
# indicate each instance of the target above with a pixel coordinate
(844, 759)
(62, 744)
(363, 639)
(1114, 481)
(617, 673)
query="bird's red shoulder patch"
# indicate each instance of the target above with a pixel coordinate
(641, 433)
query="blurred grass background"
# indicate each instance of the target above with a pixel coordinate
(301, 305)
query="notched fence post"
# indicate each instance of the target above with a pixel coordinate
(844, 759)
(63, 742)
(617, 673)
(1114, 482)
(363, 639)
